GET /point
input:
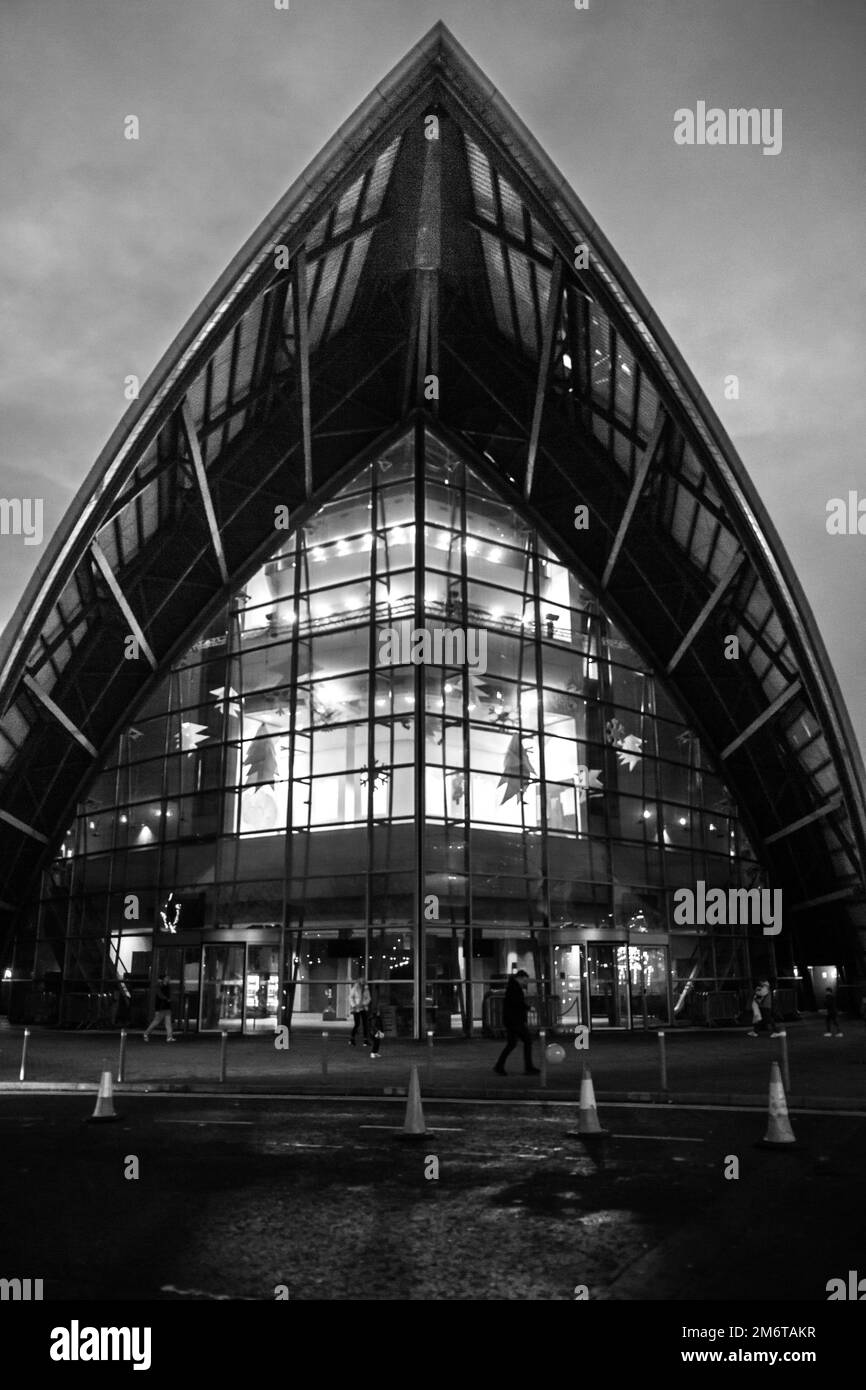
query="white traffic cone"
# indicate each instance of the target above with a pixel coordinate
(413, 1125)
(104, 1109)
(779, 1129)
(588, 1126)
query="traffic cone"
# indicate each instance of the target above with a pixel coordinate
(588, 1126)
(413, 1125)
(104, 1101)
(779, 1129)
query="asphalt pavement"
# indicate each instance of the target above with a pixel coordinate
(195, 1198)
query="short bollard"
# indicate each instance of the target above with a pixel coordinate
(430, 1064)
(786, 1075)
(22, 1073)
(542, 1038)
(663, 1062)
(121, 1056)
(324, 1054)
(224, 1040)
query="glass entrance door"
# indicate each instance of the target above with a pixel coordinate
(607, 981)
(262, 989)
(648, 971)
(222, 982)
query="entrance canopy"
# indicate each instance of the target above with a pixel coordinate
(432, 259)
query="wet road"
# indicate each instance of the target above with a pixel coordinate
(236, 1198)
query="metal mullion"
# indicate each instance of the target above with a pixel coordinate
(420, 716)
(533, 567)
(371, 704)
(467, 760)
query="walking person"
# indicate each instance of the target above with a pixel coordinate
(359, 1004)
(832, 1014)
(514, 1014)
(162, 1010)
(377, 1033)
(762, 1013)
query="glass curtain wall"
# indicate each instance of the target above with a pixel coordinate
(413, 747)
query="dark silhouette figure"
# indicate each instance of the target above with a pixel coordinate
(514, 1014)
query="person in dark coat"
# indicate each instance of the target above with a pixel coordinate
(832, 1014)
(162, 1010)
(514, 1014)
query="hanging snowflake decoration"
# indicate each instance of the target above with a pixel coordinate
(381, 774)
(629, 745)
(629, 751)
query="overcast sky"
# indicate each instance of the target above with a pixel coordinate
(754, 263)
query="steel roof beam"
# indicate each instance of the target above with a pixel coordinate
(203, 487)
(822, 811)
(57, 713)
(23, 827)
(641, 474)
(711, 604)
(551, 319)
(120, 599)
(756, 724)
(507, 238)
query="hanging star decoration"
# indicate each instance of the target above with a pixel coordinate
(518, 772)
(587, 780)
(228, 695)
(380, 774)
(170, 926)
(190, 736)
(628, 745)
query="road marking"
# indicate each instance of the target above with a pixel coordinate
(203, 1293)
(439, 1129)
(205, 1122)
(238, 1097)
(664, 1138)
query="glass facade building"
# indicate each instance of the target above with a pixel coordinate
(420, 620)
(413, 746)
